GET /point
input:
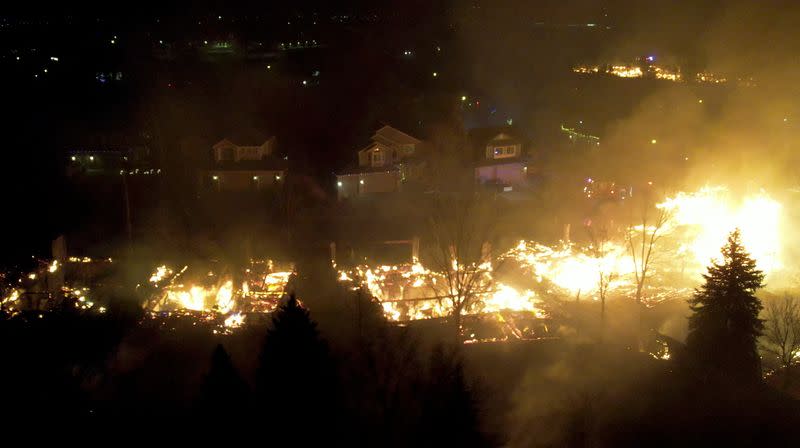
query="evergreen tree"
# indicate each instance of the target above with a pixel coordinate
(450, 414)
(224, 392)
(295, 380)
(724, 328)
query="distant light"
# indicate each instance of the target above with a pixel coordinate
(215, 177)
(113, 41)
(72, 158)
(700, 101)
(52, 58)
(339, 184)
(581, 121)
(18, 58)
(91, 158)
(305, 82)
(255, 177)
(650, 183)
(463, 97)
(785, 119)
(205, 42)
(591, 24)
(685, 158)
(438, 48)
(161, 42)
(45, 70)
(361, 181)
(653, 141)
(651, 58)
(219, 17)
(269, 67)
(435, 74)
(278, 177)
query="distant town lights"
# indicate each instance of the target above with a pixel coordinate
(255, 177)
(215, 177)
(653, 141)
(72, 158)
(339, 184)
(361, 181)
(435, 74)
(463, 98)
(91, 158)
(277, 177)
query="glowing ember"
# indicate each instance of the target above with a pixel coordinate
(235, 320)
(626, 71)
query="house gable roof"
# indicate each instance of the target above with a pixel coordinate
(228, 142)
(392, 135)
(374, 145)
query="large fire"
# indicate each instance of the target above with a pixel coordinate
(697, 226)
(706, 217)
(262, 286)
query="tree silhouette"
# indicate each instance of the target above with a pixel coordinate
(295, 379)
(450, 412)
(383, 378)
(224, 394)
(460, 230)
(724, 329)
(642, 238)
(782, 333)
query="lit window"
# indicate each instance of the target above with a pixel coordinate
(377, 158)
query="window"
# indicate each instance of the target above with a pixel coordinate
(499, 152)
(226, 154)
(377, 158)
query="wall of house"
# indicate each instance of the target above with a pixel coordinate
(505, 174)
(243, 180)
(359, 184)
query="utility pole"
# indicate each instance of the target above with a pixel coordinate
(128, 226)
